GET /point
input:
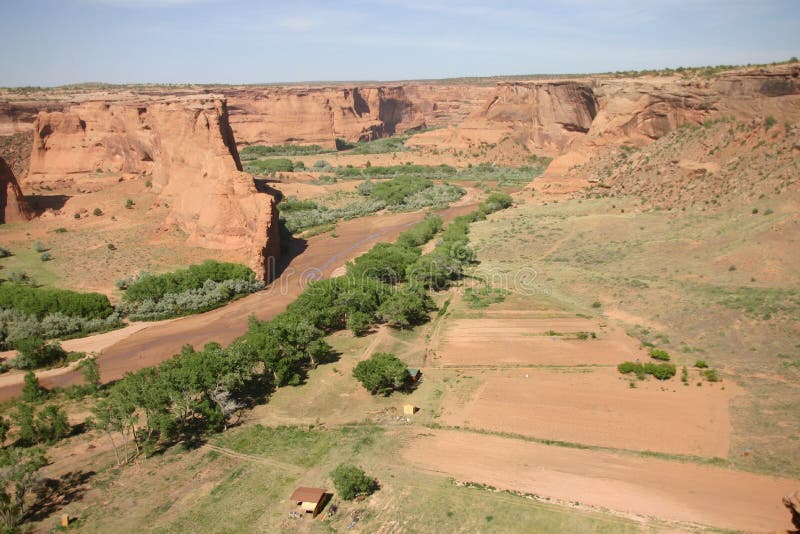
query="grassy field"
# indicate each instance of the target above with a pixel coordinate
(713, 285)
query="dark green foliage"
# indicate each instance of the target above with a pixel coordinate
(386, 262)
(596, 304)
(129, 203)
(31, 390)
(269, 166)
(4, 252)
(359, 323)
(293, 204)
(420, 233)
(97, 212)
(382, 373)
(406, 307)
(350, 482)
(33, 353)
(659, 354)
(5, 426)
(91, 373)
(662, 371)
(46, 427)
(40, 301)
(46, 256)
(685, 375)
(395, 191)
(701, 364)
(260, 151)
(711, 375)
(157, 285)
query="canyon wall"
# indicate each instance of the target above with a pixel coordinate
(184, 145)
(280, 115)
(13, 207)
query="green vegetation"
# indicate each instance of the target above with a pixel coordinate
(351, 482)
(195, 289)
(483, 297)
(40, 301)
(33, 353)
(97, 212)
(397, 194)
(269, 166)
(701, 364)
(384, 145)
(480, 172)
(659, 354)
(252, 152)
(382, 373)
(19, 478)
(662, 371)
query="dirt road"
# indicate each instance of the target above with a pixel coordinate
(665, 489)
(315, 258)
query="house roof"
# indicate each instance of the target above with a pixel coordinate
(304, 494)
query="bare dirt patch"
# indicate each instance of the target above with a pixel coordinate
(598, 407)
(523, 341)
(669, 490)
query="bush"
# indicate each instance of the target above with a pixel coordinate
(4, 252)
(269, 166)
(382, 373)
(351, 482)
(701, 364)
(97, 212)
(155, 287)
(38, 246)
(33, 353)
(46, 256)
(662, 371)
(129, 203)
(711, 375)
(596, 304)
(261, 151)
(659, 354)
(43, 301)
(406, 307)
(32, 392)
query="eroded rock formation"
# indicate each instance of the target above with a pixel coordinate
(13, 207)
(187, 148)
(320, 115)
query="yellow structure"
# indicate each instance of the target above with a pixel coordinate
(409, 409)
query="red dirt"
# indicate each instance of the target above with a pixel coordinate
(665, 489)
(320, 257)
(597, 407)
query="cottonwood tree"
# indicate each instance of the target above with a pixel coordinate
(19, 476)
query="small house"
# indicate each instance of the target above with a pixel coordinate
(409, 409)
(310, 500)
(414, 374)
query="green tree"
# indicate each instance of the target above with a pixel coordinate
(18, 477)
(5, 426)
(32, 391)
(51, 425)
(91, 373)
(23, 417)
(406, 307)
(351, 481)
(382, 373)
(359, 323)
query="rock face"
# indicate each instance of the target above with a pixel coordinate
(549, 115)
(320, 115)
(13, 207)
(185, 145)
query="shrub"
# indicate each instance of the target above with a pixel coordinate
(351, 482)
(46, 256)
(38, 246)
(596, 304)
(659, 354)
(382, 373)
(261, 151)
(154, 287)
(33, 353)
(269, 166)
(32, 392)
(111, 246)
(42, 301)
(60, 230)
(76, 215)
(662, 371)
(769, 122)
(97, 212)
(4, 252)
(129, 203)
(701, 364)
(148, 184)
(711, 375)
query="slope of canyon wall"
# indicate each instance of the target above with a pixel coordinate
(13, 207)
(187, 148)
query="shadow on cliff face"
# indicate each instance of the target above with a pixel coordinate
(262, 186)
(40, 203)
(291, 248)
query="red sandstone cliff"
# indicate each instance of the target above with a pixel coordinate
(13, 207)
(185, 145)
(279, 115)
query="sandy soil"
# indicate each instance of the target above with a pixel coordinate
(518, 341)
(597, 407)
(316, 257)
(668, 490)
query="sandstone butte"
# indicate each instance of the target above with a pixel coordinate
(184, 137)
(184, 144)
(13, 207)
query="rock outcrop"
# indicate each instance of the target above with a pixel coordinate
(13, 207)
(187, 148)
(319, 115)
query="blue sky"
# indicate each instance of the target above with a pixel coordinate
(52, 42)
